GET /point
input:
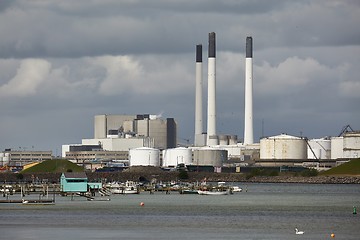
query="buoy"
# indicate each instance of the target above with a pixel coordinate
(354, 210)
(332, 235)
(142, 204)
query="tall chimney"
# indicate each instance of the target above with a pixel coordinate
(198, 98)
(248, 129)
(212, 138)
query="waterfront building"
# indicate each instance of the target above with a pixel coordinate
(74, 182)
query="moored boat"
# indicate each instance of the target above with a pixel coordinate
(236, 189)
(214, 192)
(129, 187)
(188, 191)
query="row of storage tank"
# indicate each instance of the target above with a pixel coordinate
(172, 157)
(289, 147)
(277, 147)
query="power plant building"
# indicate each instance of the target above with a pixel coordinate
(162, 132)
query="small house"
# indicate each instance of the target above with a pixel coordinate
(74, 182)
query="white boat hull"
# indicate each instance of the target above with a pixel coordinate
(201, 192)
(124, 191)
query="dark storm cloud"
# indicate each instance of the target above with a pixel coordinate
(5, 4)
(92, 28)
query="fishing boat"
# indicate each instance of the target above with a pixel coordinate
(216, 192)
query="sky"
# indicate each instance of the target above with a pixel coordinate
(63, 62)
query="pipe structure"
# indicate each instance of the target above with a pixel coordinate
(198, 97)
(248, 128)
(212, 138)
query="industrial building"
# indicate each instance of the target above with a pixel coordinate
(142, 126)
(125, 132)
(92, 160)
(116, 135)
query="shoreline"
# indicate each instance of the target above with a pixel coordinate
(159, 175)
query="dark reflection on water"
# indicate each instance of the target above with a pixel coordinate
(265, 211)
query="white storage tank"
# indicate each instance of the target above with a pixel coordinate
(209, 157)
(352, 144)
(337, 148)
(321, 147)
(283, 147)
(174, 156)
(144, 157)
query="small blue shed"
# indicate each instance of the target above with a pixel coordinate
(74, 182)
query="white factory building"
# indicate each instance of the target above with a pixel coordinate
(157, 132)
(124, 132)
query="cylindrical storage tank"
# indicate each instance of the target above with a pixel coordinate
(209, 157)
(337, 148)
(144, 157)
(223, 140)
(352, 144)
(174, 156)
(314, 154)
(233, 140)
(322, 148)
(283, 147)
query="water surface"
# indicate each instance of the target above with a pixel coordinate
(265, 211)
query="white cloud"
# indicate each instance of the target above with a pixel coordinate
(290, 75)
(29, 76)
(122, 74)
(143, 75)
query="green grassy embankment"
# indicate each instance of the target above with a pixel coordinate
(54, 166)
(351, 168)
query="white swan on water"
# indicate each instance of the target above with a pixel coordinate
(298, 232)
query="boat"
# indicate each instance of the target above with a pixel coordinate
(129, 187)
(236, 189)
(188, 191)
(216, 192)
(38, 202)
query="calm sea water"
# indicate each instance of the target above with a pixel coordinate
(265, 211)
